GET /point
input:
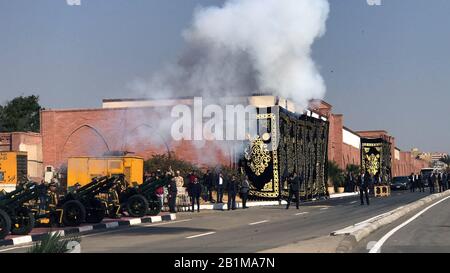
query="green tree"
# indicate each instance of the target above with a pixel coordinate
(163, 162)
(20, 115)
(354, 169)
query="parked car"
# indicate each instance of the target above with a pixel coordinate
(400, 183)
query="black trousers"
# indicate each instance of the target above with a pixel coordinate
(196, 199)
(432, 187)
(413, 187)
(297, 199)
(172, 203)
(363, 191)
(244, 197)
(219, 194)
(210, 194)
(231, 200)
(422, 187)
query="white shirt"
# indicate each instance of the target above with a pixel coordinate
(220, 180)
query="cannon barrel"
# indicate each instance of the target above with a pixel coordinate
(22, 195)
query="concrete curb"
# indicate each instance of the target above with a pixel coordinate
(224, 206)
(76, 230)
(358, 232)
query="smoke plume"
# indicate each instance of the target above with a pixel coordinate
(246, 47)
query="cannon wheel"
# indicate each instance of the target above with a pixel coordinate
(74, 213)
(23, 222)
(5, 224)
(154, 207)
(96, 212)
(137, 206)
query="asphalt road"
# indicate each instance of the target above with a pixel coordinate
(242, 231)
(428, 233)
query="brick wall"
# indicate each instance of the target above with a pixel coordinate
(91, 132)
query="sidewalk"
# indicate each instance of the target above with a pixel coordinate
(224, 206)
(38, 233)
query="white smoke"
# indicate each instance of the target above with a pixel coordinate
(247, 46)
(241, 48)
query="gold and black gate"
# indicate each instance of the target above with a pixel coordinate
(286, 143)
(376, 157)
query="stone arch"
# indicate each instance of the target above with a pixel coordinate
(85, 140)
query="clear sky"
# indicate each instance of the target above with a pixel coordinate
(385, 67)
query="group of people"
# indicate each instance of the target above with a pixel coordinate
(439, 180)
(188, 190)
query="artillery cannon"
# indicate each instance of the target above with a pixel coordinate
(141, 200)
(84, 204)
(15, 216)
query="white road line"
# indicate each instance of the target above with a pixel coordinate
(301, 213)
(260, 222)
(376, 248)
(324, 208)
(353, 202)
(200, 235)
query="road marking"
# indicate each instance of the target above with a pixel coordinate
(16, 247)
(301, 213)
(135, 226)
(324, 208)
(353, 202)
(376, 248)
(260, 222)
(200, 235)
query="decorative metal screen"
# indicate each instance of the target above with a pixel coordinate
(286, 143)
(376, 157)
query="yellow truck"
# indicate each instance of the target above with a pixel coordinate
(13, 169)
(81, 170)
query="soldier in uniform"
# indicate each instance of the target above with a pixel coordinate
(363, 184)
(172, 190)
(232, 188)
(51, 202)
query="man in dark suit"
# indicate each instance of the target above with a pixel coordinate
(196, 190)
(232, 189)
(431, 182)
(294, 182)
(209, 183)
(363, 184)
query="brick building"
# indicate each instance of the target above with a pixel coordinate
(25, 142)
(129, 125)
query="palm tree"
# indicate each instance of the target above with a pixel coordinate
(335, 175)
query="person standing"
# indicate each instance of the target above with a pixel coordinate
(232, 188)
(421, 183)
(220, 186)
(245, 188)
(209, 183)
(446, 181)
(440, 182)
(412, 183)
(294, 189)
(431, 181)
(172, 190)
(363, 184)
(196, 190)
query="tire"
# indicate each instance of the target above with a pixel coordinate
(5, 224)
(154, 207)
(96, 212)
(23, 222)
(137, 206)
(74, 213)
